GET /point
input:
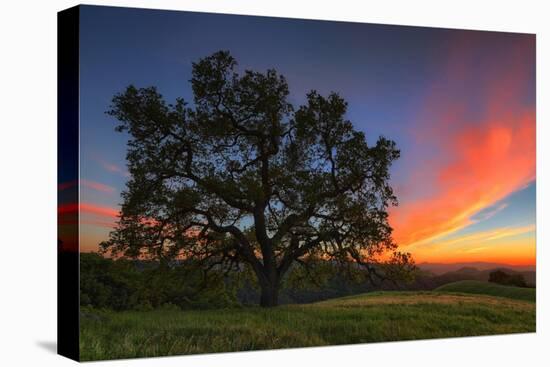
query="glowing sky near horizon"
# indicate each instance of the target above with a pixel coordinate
(459, 104)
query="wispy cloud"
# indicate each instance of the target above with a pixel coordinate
(110, 166)
(88, 208)
(476, 162)
(506, 244)
(115, 169)
(475, 250)
(488, 213)
(486, 236)
(98, 186)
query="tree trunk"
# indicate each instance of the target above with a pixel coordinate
(270, 295)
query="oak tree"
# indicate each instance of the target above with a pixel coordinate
(241, 176)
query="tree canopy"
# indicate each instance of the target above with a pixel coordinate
(241, 176)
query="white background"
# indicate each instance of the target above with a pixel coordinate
(28, 184)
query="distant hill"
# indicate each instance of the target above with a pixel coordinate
(491, 289)
(424, 281)
(483, 275)
(428, 280)
(440, 268)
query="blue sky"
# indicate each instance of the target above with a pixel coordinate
(443, 95)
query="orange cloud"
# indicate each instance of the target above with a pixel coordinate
(99, 210)
(490, 162)
(478, 238)
(515, 246)
(475, 161)
(87, 208)
(83, 230)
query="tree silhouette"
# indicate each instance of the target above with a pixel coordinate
(501, 277)
(242, 177)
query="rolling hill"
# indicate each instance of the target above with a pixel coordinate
(441, 268)
(427, 280)
(492, 289)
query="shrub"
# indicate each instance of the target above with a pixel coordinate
(500, 277)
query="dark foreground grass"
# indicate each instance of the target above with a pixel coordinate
(377, 317)
(492, 289)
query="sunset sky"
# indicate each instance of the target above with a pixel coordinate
(459, 104)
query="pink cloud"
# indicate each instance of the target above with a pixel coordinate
(87, 208)
(114, 168)
(87, 183)
(97, 186)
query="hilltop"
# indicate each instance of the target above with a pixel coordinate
(476, 287)
(429, 280)
(441, 268)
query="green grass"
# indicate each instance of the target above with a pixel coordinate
(492, 289)
(376, 317)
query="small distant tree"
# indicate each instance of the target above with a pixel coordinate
(242, 177)
(504, 278)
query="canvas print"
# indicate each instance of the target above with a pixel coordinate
(234, 183)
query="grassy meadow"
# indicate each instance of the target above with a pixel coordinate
(367, 318)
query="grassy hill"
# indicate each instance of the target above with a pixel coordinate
(492, 289)
(439, 269)
(373, 317)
